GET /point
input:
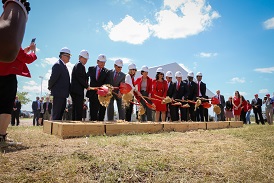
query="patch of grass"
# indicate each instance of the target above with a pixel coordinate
(228, 155)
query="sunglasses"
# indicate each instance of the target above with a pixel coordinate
(66, 55)
(118, 66)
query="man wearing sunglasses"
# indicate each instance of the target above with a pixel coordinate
(59, 84)
(115, 78)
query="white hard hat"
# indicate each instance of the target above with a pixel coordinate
(190, 74)
(65, 50)
(84, 53)
(119, 63)
(132, 66)
(178, 74)
(169, 74)
(102, 58)
(144, 68)
(199, 74)
(160, 69)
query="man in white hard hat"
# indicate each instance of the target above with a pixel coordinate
(201, 93)
(144, 86)
(59, 84)
(115, 78)
(97, 77)
(78, 84)
(181, 93)
(170, 90)
(192, 89)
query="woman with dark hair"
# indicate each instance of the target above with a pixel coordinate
(237, 102)
(228, 109)
(243, 110)
(144, 86)
(159, 90)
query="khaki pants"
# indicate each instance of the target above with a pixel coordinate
(46, 115)
(269, 116)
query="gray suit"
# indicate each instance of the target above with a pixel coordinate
(221, 116)
(115, 81)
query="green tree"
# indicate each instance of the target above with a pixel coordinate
(22, 96)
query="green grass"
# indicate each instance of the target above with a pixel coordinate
(228, 155)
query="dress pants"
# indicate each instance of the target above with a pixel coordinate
(148, 114)
(36, 115)
(129, 110)
(77, 106)
(110, 109)
(59, 105)
(200, 113)
(15, 116)
(258, 112)
(97, 111)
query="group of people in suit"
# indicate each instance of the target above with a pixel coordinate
(41, 110)
(145, 90)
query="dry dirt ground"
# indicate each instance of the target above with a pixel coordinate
(227, 155)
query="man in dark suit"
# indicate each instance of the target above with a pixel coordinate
(257, 109)
(170, 90)
(78, 83)
(47, 106)
(59, 84)
(201, 93)
(115, 78)
(98, 76)
(36, 111)
(192, 93)
(221, 98)
(180, 92)
(15, 112)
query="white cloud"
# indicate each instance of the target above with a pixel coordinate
(263, 91)
(31, 83)
(128, 30)
(50, 61)
(269, 24)
(265, 70)
(237, 80)
(243, 93)
(207, 55)
(178, 19)
(37, 49)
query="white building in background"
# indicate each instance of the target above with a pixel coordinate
(173, 67)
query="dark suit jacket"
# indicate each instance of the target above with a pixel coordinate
(222, 100)
(120, 78)
(34, 106)
(170, 89)
(202, 88)
(182, 92)
(18, 106)
(59, 82)
(103, 79)
(259, 104)
(79, 80)
(49, 106)
(192, 90)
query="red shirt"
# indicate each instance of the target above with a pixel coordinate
(18, 66)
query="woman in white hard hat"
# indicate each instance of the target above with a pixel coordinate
(129, 79)
(159, 90)
(144, 86)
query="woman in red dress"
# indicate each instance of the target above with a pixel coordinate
(237, 103)
(159, 90)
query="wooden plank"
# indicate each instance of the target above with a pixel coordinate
(47, 127)
(197, 125)
(176, 127)
(223, 124)
(132, 128)
(236, 124)
(212, 125)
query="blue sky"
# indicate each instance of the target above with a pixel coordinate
(230, 42)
